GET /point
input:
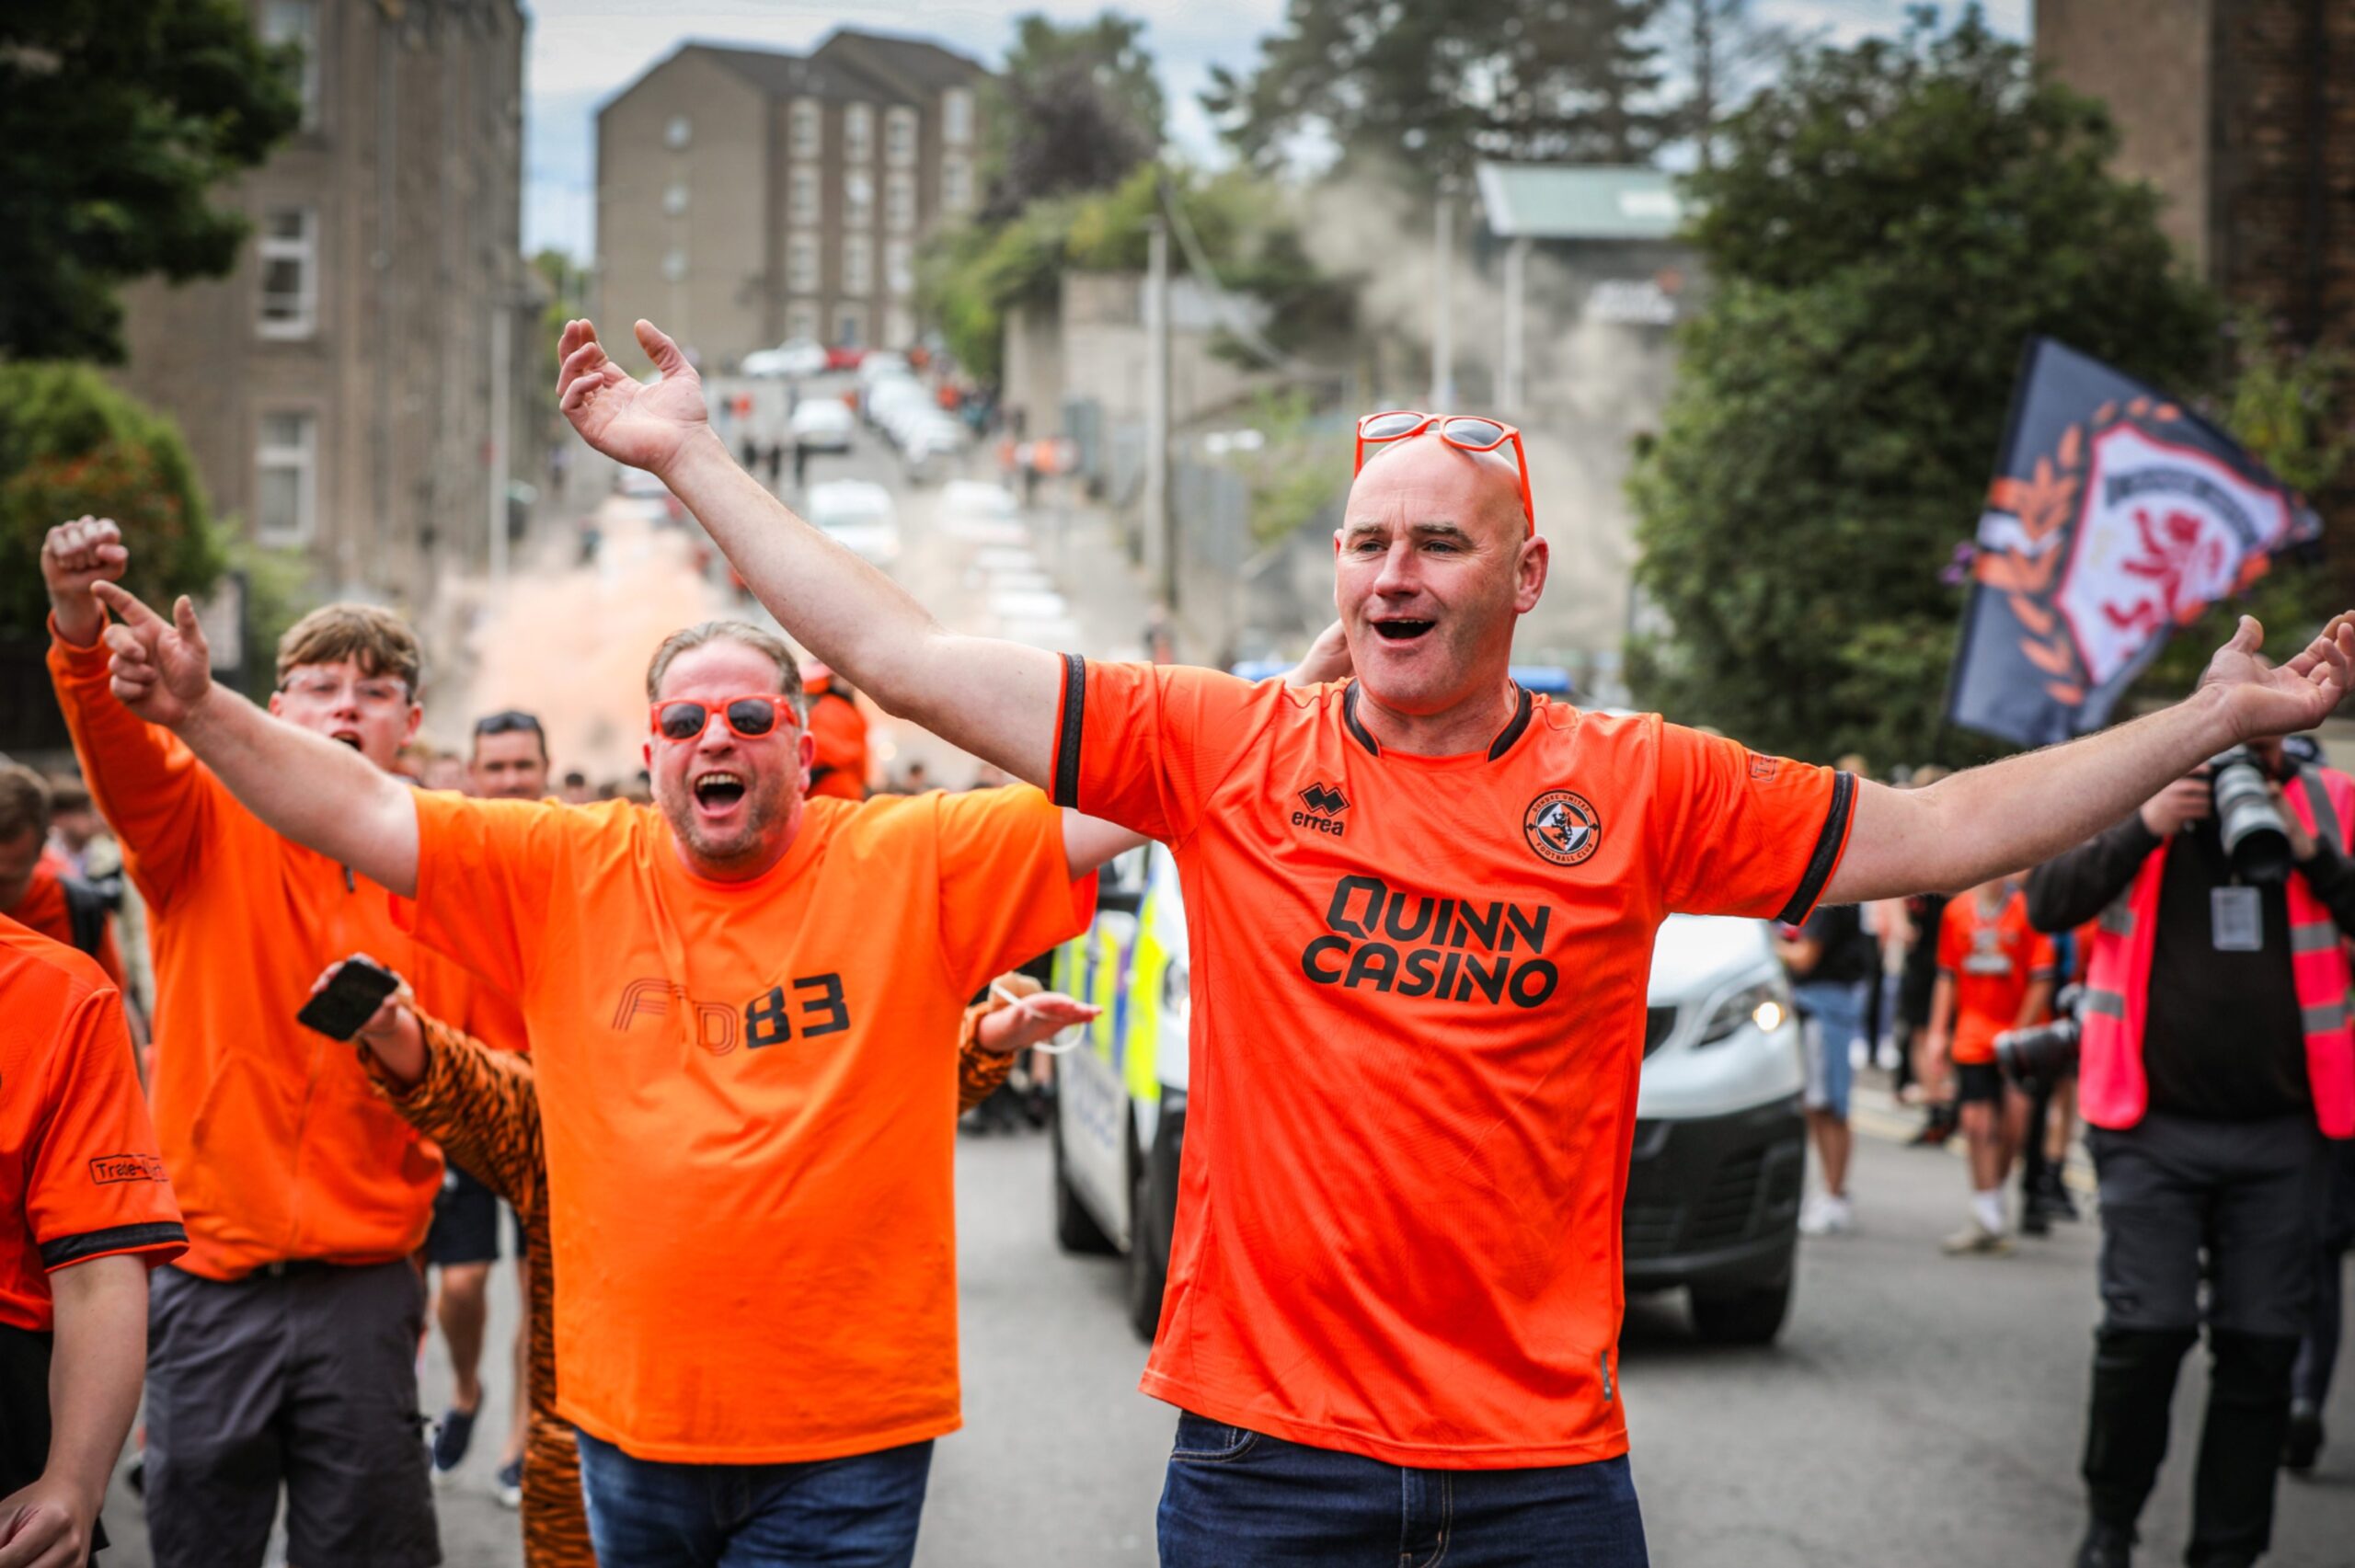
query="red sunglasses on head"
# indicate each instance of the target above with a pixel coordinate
(750, 718)
(1468, 432)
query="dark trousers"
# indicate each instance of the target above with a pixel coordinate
(2334, 1238)
(2186, 1203)
(1234, 1498)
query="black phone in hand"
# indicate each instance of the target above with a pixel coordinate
(349, 1000)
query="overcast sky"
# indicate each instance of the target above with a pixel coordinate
(583, 52)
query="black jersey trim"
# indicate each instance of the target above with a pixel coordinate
(1349, 719)
(116, 1239)
(1827, 850)
(1067, 734)
(1512, 731)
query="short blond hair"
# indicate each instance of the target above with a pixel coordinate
(377, 640)
(788, 672)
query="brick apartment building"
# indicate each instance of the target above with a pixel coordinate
(745, 197)
(341, 389)
(2242, 112)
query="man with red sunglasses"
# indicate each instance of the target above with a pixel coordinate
(740, 1002)
(1395, 1291)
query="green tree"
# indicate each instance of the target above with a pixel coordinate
(117, 119)
(1076, 108)
(1430, 89)
(70, 444)
(1886, 227)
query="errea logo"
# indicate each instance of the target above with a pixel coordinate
(1324, 805)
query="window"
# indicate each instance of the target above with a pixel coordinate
(297, 22)
(853, 327)
(285, 494)
(899, 267)
(290, 272)
(858, 134)
(674, 267)
(801, 321)
(900, 137)
(899, 201)
(801, 264)
(858, 264)
(957, 117)
(955, 183)
(898, 327)
(858, 201)
(809, 129)
(802, 195)
(679, 132)
(675, 199)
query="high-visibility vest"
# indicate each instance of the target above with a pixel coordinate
(2112, 1090)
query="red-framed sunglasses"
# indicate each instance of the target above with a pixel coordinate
(1471, 432)
(750, 718)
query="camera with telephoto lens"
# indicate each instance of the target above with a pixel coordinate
(2256, 839)
(2045, 1053)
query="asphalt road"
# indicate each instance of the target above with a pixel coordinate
(1918, 1408)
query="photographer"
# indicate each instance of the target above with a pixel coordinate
(2217, 1057)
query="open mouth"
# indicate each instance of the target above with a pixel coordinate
(346, 736)
(1401, 631)
(717, 792)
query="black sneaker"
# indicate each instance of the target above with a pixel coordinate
(2034, 1219)
(2302, 1444)
(451, 1440)
(2058, 1203)
(2106, 1546)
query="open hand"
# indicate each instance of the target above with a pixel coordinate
(1033, 1021)
(630, 422)
(2282, 699)
(76, 558)
(163, 669)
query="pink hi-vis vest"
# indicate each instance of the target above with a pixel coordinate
(2112, 1088)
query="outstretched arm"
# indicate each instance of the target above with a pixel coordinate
(2022, 811)
(998, 699)
(316, 793)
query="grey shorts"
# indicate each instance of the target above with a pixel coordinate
(305, 1379)
(2228, 1205)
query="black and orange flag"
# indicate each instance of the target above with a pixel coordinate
(2116, 516)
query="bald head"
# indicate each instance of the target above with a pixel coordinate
(1425, 480)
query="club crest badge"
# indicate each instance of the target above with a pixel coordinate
(1562, 827)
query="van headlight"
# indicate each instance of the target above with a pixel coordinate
(1763, 1006)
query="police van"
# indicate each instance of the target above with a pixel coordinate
(1720, 1147)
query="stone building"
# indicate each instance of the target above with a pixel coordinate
(358, 388)
(746, 197)
(2242, 113)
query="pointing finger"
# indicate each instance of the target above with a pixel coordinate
(125, 604)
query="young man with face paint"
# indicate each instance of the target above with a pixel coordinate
(281, 1353)
(1422, 908)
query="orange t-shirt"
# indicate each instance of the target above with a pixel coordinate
(1419, 991)
(839, 770)
(80, 1177)
(43, 909)
(1993, 962)
(749, 1096)
(278, 1147)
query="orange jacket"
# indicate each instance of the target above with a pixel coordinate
(275, 1144)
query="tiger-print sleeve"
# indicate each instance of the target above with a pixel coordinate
(978, 1072)
(481, 1105)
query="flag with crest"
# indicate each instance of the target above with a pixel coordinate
(2116, 516)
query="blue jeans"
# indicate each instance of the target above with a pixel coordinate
(855, 1512)
(1235, 1498)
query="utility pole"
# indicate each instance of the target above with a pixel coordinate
(1160, 527)
(502, 339)
(1442, 399)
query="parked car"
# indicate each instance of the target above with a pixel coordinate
(859, 516)
(792, 360)
(1714, 1180)
(841, 358)
(822, 424)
